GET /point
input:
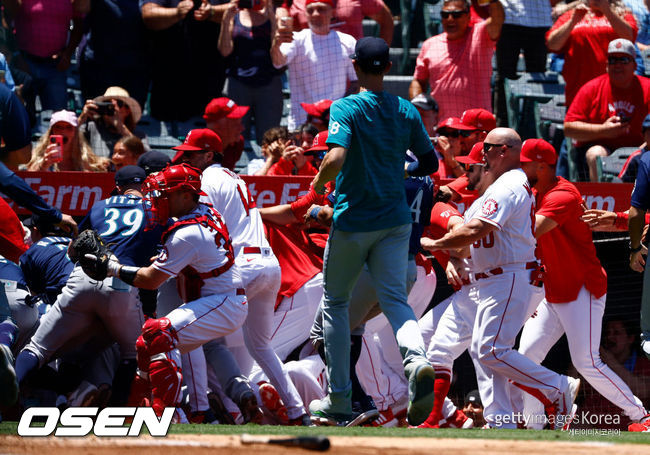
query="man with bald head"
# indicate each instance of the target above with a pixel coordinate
(499, 231)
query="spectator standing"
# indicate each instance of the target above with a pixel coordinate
(320, 48)
(368, 137)
(47, 43)
(75, 155)
(582, 35)
(608, 111)
(224, 117)
(525, 26)
(457, 64)
(349, 16)
(187, 70)
(115, 51)
(103, 128)
(245, 40)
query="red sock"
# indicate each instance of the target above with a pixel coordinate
(440, 391)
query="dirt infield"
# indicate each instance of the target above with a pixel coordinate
(231, 445)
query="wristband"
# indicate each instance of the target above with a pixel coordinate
(128, 273)
(635, 250)
(313, 213)
(621, 220)
(113, 267)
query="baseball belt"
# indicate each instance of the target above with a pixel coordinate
(536, 276)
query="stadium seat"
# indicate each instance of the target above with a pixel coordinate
(610, 166)
(398, 85)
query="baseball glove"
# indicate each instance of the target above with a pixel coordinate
(90, 243)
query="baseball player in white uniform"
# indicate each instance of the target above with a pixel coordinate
(197, 249)
(259, 267)
(499, 230)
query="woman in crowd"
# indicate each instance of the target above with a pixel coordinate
(127, 151)
(294, 161)
(108, 118)
(71, 153)
(245, 39)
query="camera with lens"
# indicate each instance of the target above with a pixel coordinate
(105, 108)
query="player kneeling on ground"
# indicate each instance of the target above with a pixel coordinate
(208, 279)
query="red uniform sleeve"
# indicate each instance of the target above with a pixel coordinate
(440, 215)
(560, 206)
(301, 205)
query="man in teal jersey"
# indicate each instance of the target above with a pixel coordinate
(369, 134)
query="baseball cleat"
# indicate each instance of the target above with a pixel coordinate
(642, 426)
(386, 419)
(219, 409)
(457, 420)
(206, 417)
(421, 377)
(271, 400)
(85, 395)
(8, 382)
(324, 412)
(250, 410)
(302, 421)
(566, 408)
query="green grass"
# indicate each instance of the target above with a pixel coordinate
(9, 428)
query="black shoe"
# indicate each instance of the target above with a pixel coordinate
(220, 410)
(249, 408)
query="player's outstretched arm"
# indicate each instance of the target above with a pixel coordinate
(140, 277)
(461, 237)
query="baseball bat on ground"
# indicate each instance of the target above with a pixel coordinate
(320, 443)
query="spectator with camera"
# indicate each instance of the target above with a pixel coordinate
(293, 160)
(273, 143)
(64, 148)
(127, 151)
(608, 111)
(108, 118)
(319, 48)
(457, 64)
(245, 41)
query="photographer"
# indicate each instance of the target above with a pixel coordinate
(108, 118)
(245, 40)
(273, 143)
(64, 148)
(294, 161)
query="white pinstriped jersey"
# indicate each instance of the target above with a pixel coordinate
(509, 205)
(229, 195)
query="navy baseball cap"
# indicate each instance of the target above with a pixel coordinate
(646, 122)
(130, 174)
(153, 161)
(473, 397)
(371, 53)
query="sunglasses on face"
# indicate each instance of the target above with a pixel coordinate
(487, 146)
(449, 133)
(466, 133)
(615, 60)
(454, 14)
(470, 167)
(120, 103)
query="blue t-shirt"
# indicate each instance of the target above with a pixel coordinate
(377, 129)
(46, 267)
(419, 197)
(120, 221)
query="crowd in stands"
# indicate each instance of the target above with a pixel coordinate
(255, 80)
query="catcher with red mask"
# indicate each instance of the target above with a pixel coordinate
(209, 283)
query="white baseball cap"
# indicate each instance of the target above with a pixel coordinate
(621, 46)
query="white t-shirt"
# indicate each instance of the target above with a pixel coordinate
(229, 195)
(201, 248)
(319, 68)
(528, 13)
(509, 205)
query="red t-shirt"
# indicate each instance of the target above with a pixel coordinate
(567, 252)
(598, 100)
(585, 52)
(298, 262)
(286, 167)
(12, 243)
(440, 215)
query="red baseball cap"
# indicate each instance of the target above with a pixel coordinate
(319, 142)
(453, 123)
(537, 150)
(219, 108)
(479, 119)
(318, 108)
(475, 155)
(201, 140)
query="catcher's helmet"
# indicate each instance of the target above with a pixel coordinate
(158, 185)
